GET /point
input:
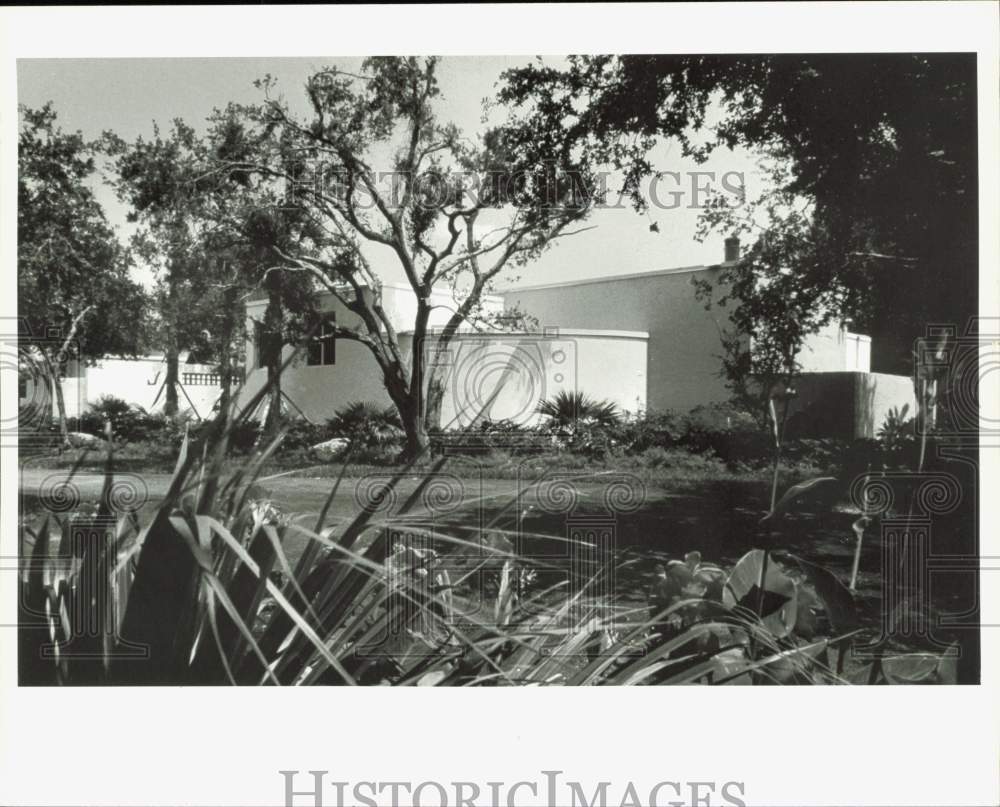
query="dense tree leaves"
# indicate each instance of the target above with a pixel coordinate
(73, 280)
(213, 238)
(882, 147)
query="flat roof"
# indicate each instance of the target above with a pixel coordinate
(678, 270)
(549, 333)
(439, 292)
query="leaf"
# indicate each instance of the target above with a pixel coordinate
(777, 602)
(163, 589)
(432, 678)
(794, 492)
(921, 668)
(506, 597)
(837, 598)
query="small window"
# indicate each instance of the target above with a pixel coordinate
(323, 346)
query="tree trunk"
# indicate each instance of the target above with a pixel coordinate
(417, 440)
(435, 399)
(57, 393)
(55, 368)
(170, 382)
(225, 378)
(413, 412)
(271, 344)
(229, 332)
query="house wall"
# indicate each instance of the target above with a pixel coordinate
(317, 392)
(835, 349)
(684, 349)
(682, 368)
(642, 341)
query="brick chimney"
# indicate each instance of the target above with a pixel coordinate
(732, 254)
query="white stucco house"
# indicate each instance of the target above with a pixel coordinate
(641, 340)
(500, 375)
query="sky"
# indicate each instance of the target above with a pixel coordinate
(127, 95)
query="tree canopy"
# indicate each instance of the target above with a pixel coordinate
(212, 237)
(453, 212)
(76, 298)
(69, 258)
(882, 147)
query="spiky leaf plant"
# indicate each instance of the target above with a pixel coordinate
(205, 593)
(570, 408)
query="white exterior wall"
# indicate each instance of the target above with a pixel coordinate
(318, 391)
(847, 404)
(684, 350)
(137, 381)
(506, 376)
(643, 341)
(835, 349)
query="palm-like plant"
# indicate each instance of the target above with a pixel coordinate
(897, 430)
(567, 409)
(367, 423)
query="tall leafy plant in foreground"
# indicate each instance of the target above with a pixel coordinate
(205, 593)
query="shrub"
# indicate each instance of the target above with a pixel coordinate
(368, 425)
(678, 459)
(724, 430)
(300, 434)
(129, 423)
(491, 436)
(243, 434)
(636, 433)
(89, 422)
(569, 409)
(114, 409)
(897, 431)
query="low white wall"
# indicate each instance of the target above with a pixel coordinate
(506, 376)
(834, 349)
(138, 381)
(500, 376)
(847, 404)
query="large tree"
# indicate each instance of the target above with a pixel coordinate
(375, 168)
(158, 177)
(881, 149)
(75, 293)
(212, 237)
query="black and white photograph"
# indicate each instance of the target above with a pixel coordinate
(598, 368)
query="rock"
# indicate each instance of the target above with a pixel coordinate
(329, 450)
(84, 440)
